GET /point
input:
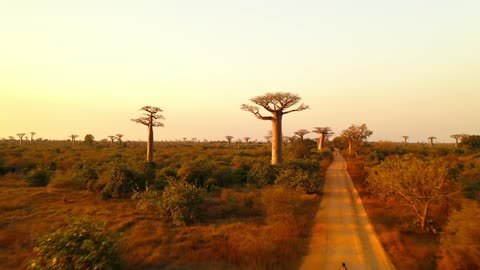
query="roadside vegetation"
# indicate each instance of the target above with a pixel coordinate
(194, 206)
(422, 199)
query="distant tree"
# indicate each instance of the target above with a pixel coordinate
(73, 137)
(413, 182)
(301, 132)
(31, 136)
(119, 138)
(472, 141)
(238, 143)
(229, 139)
(457, 137)
(246, 139)
(21, 135)
(431, 140)
(324, 133)
(277, 104)
(11, 138)
(150, 119)
(184, 139)
(405, 138)
(89, 139)
(356, 135)
(112, 138)
(194, 140)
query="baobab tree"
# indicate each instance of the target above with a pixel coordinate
(229, 139)
(150, 119)
(73, 137)
(246, 139)
(356, 135)
(431, 140)
(31, 136)
(457, 137)
(324, 133)
(112, 138)
(11, 138)
(119, 138)
(277, 104)
(21, 135)
(301, 132)
(405, 138)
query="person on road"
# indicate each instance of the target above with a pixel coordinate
(344, 266)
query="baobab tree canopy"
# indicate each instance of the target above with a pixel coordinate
(277, 104)
(151, 116)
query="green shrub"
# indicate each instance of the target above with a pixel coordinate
(39, 177)
(119, 182)
(80, 245)
(181, 202)
(148, 200)
(87, 174)
(261, 174)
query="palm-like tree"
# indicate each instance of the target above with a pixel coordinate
(324, 133)
(229, 139)
(405, 138)
(431, 140)
(150, 118)
(21, 135)
(301, 132)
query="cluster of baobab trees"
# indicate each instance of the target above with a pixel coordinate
(457, 137)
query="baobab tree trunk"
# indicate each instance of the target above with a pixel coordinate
(277, 139)
(456, 142)
(431, 142)
(150, 143)
(320, 141)
(350, 148)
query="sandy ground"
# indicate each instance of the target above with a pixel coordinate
(342, 231)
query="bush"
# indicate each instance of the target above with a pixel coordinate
(80, 245)
(39, 177)
(119, 182)
(87, 174)
(148, 200)
(299, 179)
(181, 202)
(261, 174)
(280, 204)
(460, 241)
(60, 180)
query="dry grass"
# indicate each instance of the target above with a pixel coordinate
(243, 239)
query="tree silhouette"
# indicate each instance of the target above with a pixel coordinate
(405, 138)
(457, 137)
(119, 138)
(431, 140)
(31, 136)
(21, 135)
(277, 104)
(229, 139)
(301, 132)
(324, 133)
(150, 119)
(112, 138)
(73, 137)
(246, 139)
(194, 140)
(89, 139)
(356, 135)
(11, 138)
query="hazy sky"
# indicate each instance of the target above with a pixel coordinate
(405, 67)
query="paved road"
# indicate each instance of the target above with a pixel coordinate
(342, 232)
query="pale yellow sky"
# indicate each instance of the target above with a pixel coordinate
(402, 67)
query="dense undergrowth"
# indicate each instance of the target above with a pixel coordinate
(202, 205)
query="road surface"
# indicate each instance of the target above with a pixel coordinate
(342, 231)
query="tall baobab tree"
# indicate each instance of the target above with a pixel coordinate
(431, 140)
(150, 119)
(229, 139)
(277, 104)
(119, 138)
(356, 135)
(73, 137)
(301, 132)
(405, 138)
(324, 133)
(457, 137)
(21, 135)
(31, 136)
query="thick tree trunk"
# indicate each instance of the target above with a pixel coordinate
(350, 148)
(277, 139)
(456, 142)
(431, 142)
(321, 140)
(150, 143)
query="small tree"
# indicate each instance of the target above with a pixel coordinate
(277, 104)
(456, 137)
(150, 119)
(405, 138)
(112, 138)
(31, 136)
(89, 139)
(229, 139)
(301, 132)
(324, 133)
(413, 182)
(21, 135)
(356, 135)
(119, 138)
(431, 140)
(73, 137)
(247, 139)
